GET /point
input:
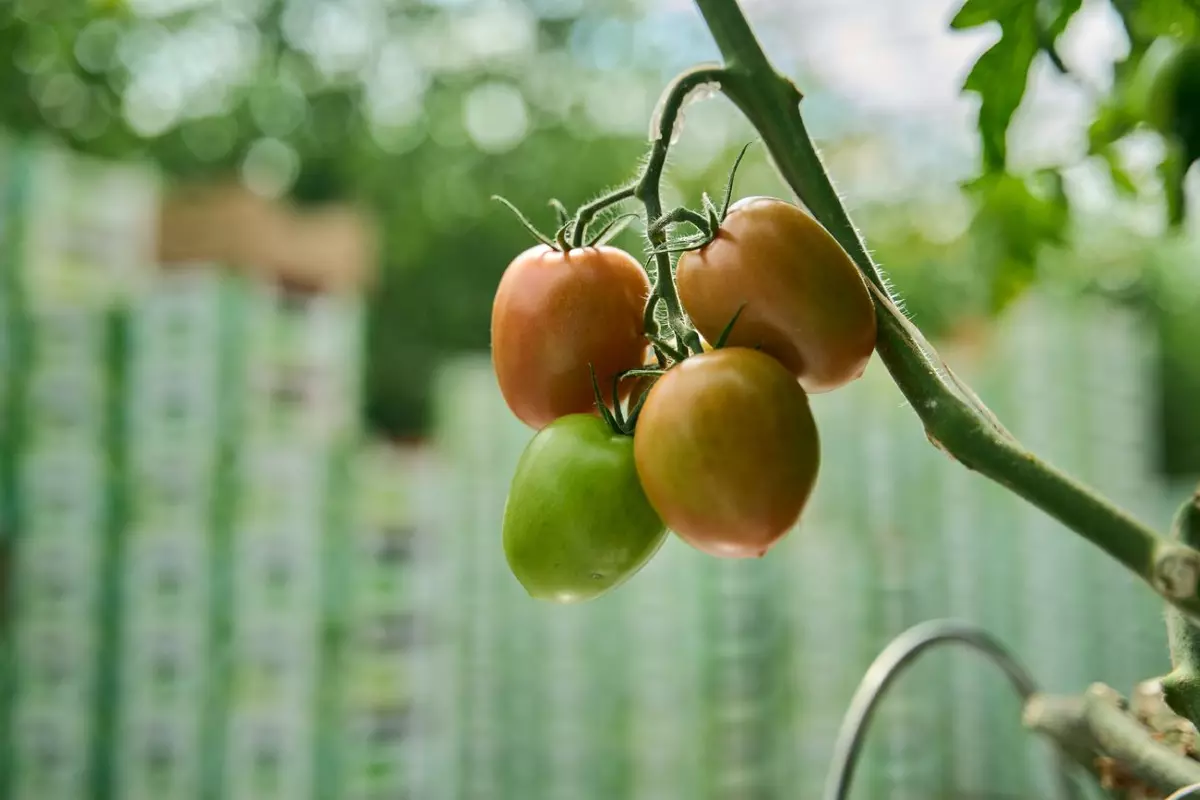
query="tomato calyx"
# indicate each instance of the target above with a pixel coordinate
(724, 337)
(706, 223)
(620, 422)
(572, 231)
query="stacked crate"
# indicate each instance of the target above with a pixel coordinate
(177, 430)
(386, 659)
(299, 407)
(82, 241)
(174, 482)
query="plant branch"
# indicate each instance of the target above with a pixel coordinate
(682, 214)
(1181, 687)
(1094, 727)
(954, 419)
(588, 212)
(647, 192)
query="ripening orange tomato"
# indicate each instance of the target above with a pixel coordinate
(727, 451)
(805, 303)
(557, 312)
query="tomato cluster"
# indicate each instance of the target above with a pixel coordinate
(720, 447)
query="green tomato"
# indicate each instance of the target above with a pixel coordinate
(577, 522)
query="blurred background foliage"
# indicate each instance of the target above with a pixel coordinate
(419, 111)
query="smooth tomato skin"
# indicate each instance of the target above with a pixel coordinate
(727, 451)
(577, 522)
(805, 302)
(554, 314)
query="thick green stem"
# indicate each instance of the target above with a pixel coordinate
(1181, 688)
(954, 418)
(647, 191)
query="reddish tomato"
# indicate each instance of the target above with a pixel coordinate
(554, 314)
(727, 451)
(805, 302)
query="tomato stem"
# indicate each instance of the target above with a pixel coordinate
(683, 244)
(649, 320)
(682, 214)
(588, 212)
(647, 190)
(954, 418)
(612, 229)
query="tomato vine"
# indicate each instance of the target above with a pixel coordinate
(954, 418)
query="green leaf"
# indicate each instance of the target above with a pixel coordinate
(1000, 75)
(1146, 20)
(1055, 15)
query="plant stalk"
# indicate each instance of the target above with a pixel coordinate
(1093, 727)
(647, 191)
(954, 419)
(588, 212)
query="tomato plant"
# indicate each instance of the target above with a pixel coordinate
(727, 450)
(555, 313)
(802, 299)
(577, 522)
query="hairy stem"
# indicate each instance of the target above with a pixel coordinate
(954, 419)
(647, 192)
(588, 212)
(682, 214)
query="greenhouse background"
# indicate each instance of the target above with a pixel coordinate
(224, 584)
(253, 459)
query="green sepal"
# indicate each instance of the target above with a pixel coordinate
(529, 226)
(609, 419)
(724, 337)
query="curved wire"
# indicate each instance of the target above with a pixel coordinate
(888, 666)
(1186, 792)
